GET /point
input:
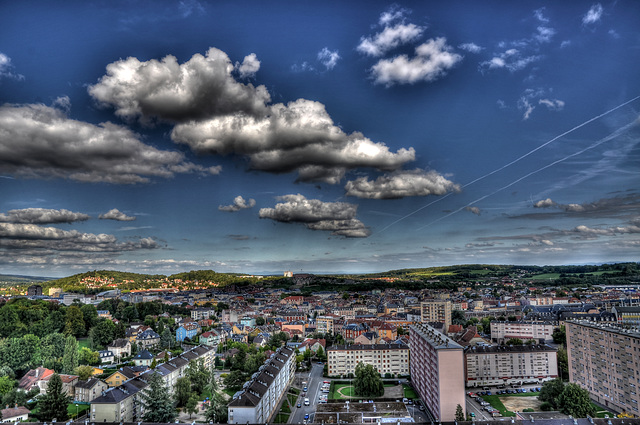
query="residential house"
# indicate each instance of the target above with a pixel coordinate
(143, 358)
(367, 338)
(87, 391)
(120, 348)
(187, 330)
(147, 339)
(15, 414)
(106, 356)
(119, 376)
(68, 383)
(32, 377)
(212, 338)
(202, 313)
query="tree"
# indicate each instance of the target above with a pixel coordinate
(234, 380)
(217, 410)
(88, 357)
(53, 405)
(182, 391)
(559, 335)
(6, 384)
(84, 372)
(70, 357)
(102, 334)
(74, 322)
(514, 341)
(457, 317)
(192, 405)
(158, 406)
(563, 361)
(260, 321)
(575, 401)
(367, 382)
(198, 375)
(550, 392)
(166, 338)
(459, 413)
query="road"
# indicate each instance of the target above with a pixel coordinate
(314, 382)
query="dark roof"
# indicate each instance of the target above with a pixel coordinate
(143, 355)
(88, 384)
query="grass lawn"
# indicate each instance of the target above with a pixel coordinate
(409, 392)
(82, 408)
(494, 400)
(601, 413)
(341, 391)
(83, 342)
(292, 399)
(281, 418)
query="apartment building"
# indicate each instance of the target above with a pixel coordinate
(540, 331)
(436, 311)
(123, 403)
(259, 399)
(504, 365)
(391, 359)
(603, 359)
(437, 371)
(324, 324)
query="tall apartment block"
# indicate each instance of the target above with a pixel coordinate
(437, 371)
(504, 365)
(391, 359)
(603, 359)
(436, 311)
(540, 331)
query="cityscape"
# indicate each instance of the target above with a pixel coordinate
(508, 343)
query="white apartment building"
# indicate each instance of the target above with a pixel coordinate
(540, 331)
(391, 359)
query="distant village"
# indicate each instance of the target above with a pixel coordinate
(499, 335)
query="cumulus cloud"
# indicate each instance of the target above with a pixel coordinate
(552, 104)
(249, 66)
(41, 216)
(166, 90)
(298, 136)
(328, 58)
(19, 236)
(545, 203)
(432, 60)
(470, 47)
(401, 184)
(474, 210)
(593, 15)
(394, 14)
(239, 203)
(544, 34)
(606, 231)
(336, 217)
(524, 104)
(42, 142)
(389, 38)
(511, 59)
(6, 68)
(539, 14)
(115, 214)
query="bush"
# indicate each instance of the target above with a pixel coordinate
(546, 406)
(528, 409)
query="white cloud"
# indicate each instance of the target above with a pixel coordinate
(393, 14)
(471, 47)
(166, 90)
(41, 142)
(6, 67)
(593, 15)
(433, 59)
(474, 210)
(239, 203)
(545, 203)
(544, 34)
(115, 214)
(552, 104)
(249, 67)
(539, 14)
(511, 59)
(336, 217)
(298, 136)
(303, 67)
(401, 184)
(328, 58)
(523, 103)
(41, 216)
(389, 38)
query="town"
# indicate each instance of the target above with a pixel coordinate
(482, 345)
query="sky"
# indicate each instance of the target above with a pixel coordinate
(317, 136)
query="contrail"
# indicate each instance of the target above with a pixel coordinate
(593, 145)
(512, 162)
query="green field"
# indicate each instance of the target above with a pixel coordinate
(494, 400)
(409, 392)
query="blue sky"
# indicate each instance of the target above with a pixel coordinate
(326, 137)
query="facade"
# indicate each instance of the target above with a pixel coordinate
(120, 348)
(627, 315)
(202, 313)
(436, 311)
(603, 360)
(540, 331)
(187, 330)
(15, 414)
(147, 339)
(259, 400)
(392, 359)
(143, 358)
(324, 324)
(87, 391)
(34, 290)
(504, 365)
(437, 371)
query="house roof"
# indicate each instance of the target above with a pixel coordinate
(143, 355)
(33, 376)
(13, 412)
(88, 384)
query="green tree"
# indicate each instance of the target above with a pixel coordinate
(514, 341)
(457, 317)
(217, 409)
(54, 322)
(559, 335)
(192, 405)
(260, 321)
(158, 406)
(84, 372)
(182, 391)
(70, 357)
(74, 322)
(102, 334)
(88, 357)
(167, 339)
(234, 380)
(551, 391)
(90, 315)
(6, 384)
(575, 401)
(563, 362)
(198, 375)
(53, 405)
(8, 321)
(367, 382)
(459, 413)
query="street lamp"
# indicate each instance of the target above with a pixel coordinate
(76, 411)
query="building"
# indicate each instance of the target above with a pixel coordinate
(15, 414)
(106, 356)
(202, 313)
(540, 331)
(324, 324)
(436, 311)
(120, 348)
(147, 339)
(514, 364)
(143, 358)
(87, 391)
(627, 315)
(437, 371)
(34, 290)
(212, 338)
(260, 398)
(388, 359)
(187, 330)
(603, 360)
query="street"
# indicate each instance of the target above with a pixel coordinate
(314, 382)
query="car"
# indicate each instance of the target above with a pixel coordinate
(306, 401)
(299, 404)
(304, 389)
(473, 415)
(488, 392)
(306, 417)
